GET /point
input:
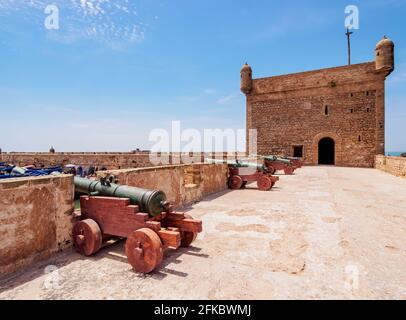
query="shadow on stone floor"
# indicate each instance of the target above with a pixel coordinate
(171, 257)
(249, 188)
(114, 251)
(38, 269)
(207, 198)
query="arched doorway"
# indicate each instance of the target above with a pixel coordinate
(326, 151)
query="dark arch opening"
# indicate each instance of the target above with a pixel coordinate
(326, 151)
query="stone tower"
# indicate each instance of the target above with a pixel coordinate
(333, 116)
(384, 55)
(246, 79)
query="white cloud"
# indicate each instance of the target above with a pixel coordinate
(229, 98)
(114, 23)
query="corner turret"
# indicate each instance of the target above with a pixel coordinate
(246, 79)
(384, 55)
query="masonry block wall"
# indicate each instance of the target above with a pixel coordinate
(182, 184)
(297, 111)
(110, 160)
(36, 218)
(392, 165)
(37, 214)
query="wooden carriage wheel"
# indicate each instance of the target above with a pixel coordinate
(144, 250)
(264, 183)
(187, 237)
(288, 170)
(235, 182)
(87, 237)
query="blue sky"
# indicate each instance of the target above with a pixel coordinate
(117, 69)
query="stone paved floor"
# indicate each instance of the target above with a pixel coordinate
(325, 232)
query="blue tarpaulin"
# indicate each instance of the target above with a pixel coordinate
(32, 172)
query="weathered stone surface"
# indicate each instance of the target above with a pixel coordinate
(110, 160)
(182, 184)
(35, 219)
(322, 233)
(36, 214)
(392, 165)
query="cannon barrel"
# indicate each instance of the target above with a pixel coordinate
(255, 166)
(152, 202)
(239, 164)
(275, 158)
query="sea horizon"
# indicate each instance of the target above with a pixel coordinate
(394, 153)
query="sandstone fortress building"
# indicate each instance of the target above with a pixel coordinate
(328, 116)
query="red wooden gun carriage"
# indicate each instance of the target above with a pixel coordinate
(274, 163)
(240, 174)
(142, 216)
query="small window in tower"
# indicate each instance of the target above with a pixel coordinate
(367, 109)
(298, 151)
(352, 110)
(351, 94)
(359, 138)
(367, 93)
(377, 53)
(326, 110)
